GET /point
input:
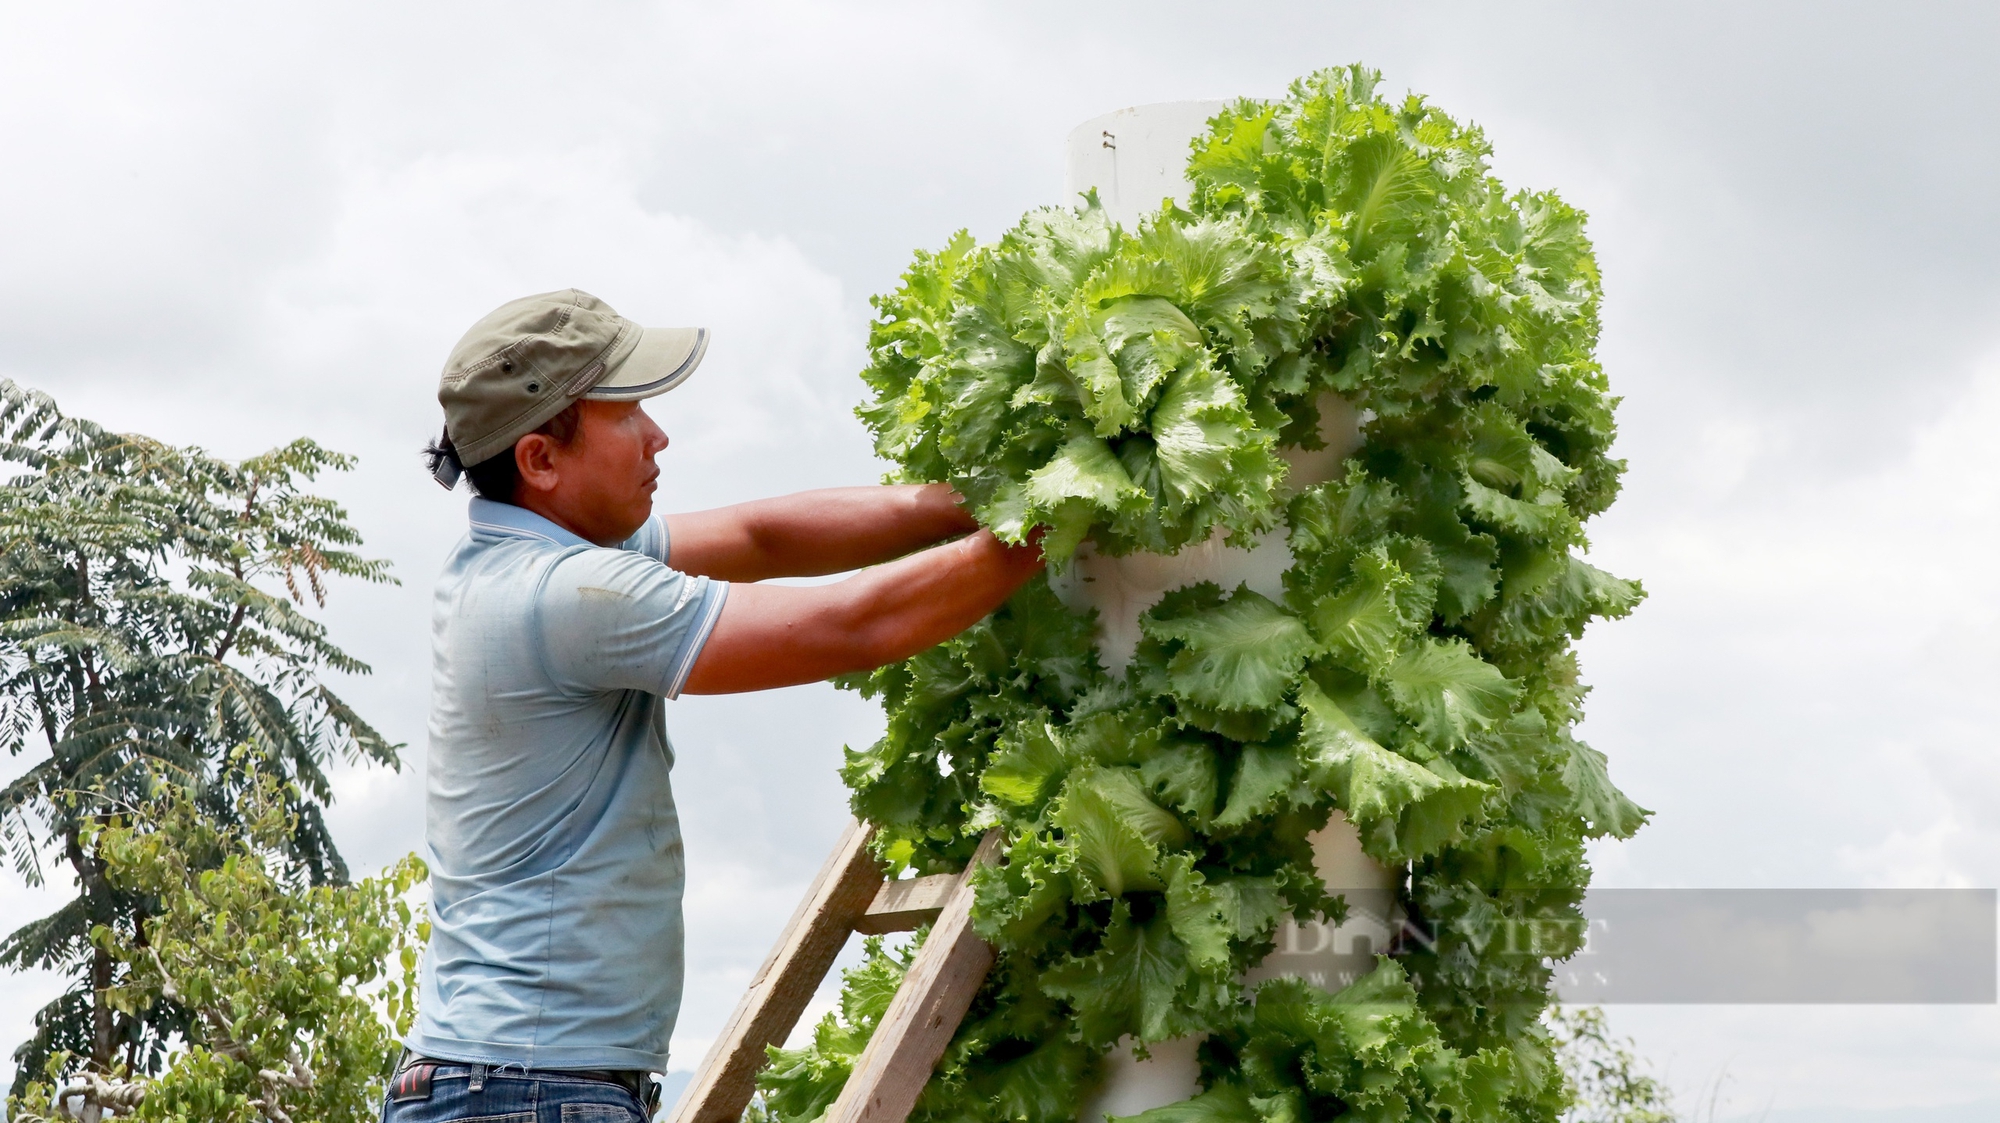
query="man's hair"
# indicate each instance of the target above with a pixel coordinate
(498, 477)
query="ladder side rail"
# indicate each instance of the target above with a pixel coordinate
(920, 1021)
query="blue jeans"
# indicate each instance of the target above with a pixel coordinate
(514, 1096)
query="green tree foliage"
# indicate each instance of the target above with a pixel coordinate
(1134, 388)
(150, 620)
(296, 993)
(1609, 1082)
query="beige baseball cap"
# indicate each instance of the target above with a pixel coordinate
(528, 359)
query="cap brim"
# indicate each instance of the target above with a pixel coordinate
(664, 359)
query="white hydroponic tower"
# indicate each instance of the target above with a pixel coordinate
(1136, 158)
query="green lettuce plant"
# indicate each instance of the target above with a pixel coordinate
(1133, 388)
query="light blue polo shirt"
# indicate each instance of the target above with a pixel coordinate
(556, 864)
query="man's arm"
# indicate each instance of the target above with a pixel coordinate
(814, 532)
(778, 635)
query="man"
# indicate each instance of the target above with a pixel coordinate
(562, 622)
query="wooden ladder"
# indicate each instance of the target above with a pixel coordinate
(850, 895)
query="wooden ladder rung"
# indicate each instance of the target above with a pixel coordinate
(849, 895)
(907, 905)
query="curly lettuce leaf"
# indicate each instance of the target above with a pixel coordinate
(1239, 655)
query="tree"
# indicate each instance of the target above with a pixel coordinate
(297, 992)
(151, 620)
(1608, 1082)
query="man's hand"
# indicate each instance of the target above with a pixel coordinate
(815, 532)
(778, 635)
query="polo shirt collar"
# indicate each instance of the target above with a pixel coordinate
(519, 522)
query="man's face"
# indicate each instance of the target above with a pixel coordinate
(600, 486)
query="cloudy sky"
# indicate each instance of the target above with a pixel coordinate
(235, 224)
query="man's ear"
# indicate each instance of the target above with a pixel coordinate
(535, 456)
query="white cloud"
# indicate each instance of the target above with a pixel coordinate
(1807, 699)
(1824, 645)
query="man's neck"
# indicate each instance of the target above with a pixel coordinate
(541, 505)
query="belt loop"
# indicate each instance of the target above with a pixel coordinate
(478, 1080)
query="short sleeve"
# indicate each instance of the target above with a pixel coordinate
(622, 620)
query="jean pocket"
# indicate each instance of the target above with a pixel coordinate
(600, 1113)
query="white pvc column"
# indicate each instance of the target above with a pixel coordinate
(1136, 158)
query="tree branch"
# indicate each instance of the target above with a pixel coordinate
(98, 1093)
(96, 890)
(229, 633)
(236, 567)
(83, 599)
(42, 701)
